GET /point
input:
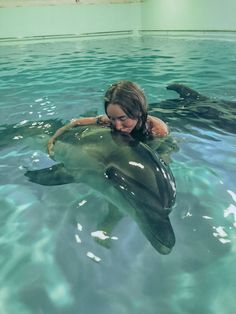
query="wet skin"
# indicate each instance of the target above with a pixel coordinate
(119, 119)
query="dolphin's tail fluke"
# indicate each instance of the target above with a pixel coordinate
(186, 92)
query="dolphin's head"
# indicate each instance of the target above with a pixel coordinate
(149, 186)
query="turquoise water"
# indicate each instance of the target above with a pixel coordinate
(44, 268)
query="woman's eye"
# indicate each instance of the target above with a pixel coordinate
(123, 118)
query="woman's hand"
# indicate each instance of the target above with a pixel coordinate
(50, 147)
(73, 123)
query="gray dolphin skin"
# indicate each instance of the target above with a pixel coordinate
(199, 110)
(128, 174)
(186, 92)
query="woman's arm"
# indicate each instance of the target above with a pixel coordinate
(73, 123)
(157, 127)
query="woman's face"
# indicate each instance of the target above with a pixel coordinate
(119, 119)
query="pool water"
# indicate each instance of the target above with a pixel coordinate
(44, 267)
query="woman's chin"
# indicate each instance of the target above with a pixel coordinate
(126, 131)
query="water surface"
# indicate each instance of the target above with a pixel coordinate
(43, 268)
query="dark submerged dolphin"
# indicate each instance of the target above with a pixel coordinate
(196, 109)
(128, 173)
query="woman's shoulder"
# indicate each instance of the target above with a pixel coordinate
(157, 127)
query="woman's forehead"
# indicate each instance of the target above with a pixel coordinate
(115, 110)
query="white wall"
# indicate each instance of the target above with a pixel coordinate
(68, 19)
(75, 19)
(189, 15)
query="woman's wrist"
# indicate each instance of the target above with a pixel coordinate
(52, 140)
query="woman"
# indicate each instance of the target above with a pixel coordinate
(126, 111)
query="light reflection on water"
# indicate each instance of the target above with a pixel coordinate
(44, 268)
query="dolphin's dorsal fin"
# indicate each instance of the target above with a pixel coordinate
(186, 92)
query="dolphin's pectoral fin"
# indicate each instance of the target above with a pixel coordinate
(55, 175)
(150, 215)
(108, 224)
(186, 92)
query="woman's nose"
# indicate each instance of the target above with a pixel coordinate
(118, 125)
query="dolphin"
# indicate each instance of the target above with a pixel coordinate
(127, 173)
(197, 109)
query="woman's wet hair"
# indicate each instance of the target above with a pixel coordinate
(132, 101)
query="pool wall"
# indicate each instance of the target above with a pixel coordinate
(196, 15)
(68, 18)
